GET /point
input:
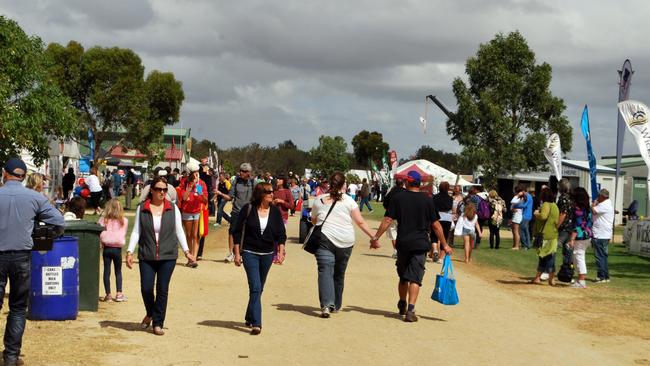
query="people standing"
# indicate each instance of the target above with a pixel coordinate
(603, 215)
(112, 240)
(364, 194)
(282, 197)
(497, 209)
(416, 215)
(444, 204)
(546, 221)
(259, 237)
(295, 194)
(457, 197)
(157, 232)
(67, 183)
(391, 232)
(566, 221)
(526, 217)
(223, 187)
(130, 181)
(468, 228)
(240, 194)
(352, 190)
(581, 235)
(96, 190)
(516, 208)
(171, 195)
(193, 194)
(117, 183)
(20, 207)
(336, 242)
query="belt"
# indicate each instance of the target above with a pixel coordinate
(14, 251)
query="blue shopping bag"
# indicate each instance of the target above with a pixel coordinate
(445, 290)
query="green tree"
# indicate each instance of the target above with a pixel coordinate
(33, 108)
(449, 161)
(201, 149)
(108, 89)
(369, 146)
(507, 110)
(330, 155)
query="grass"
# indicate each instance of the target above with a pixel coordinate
(628, 272)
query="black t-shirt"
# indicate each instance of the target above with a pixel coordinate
(414, 212)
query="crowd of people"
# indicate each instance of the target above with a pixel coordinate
(174, 208)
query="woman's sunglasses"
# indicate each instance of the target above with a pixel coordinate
(158, 189)
(267, 191)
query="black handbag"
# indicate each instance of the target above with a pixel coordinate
(539, 237)
(312, 241)
(43, 236)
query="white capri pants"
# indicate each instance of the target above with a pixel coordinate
(579, 248)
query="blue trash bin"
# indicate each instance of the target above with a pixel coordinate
(54, 293)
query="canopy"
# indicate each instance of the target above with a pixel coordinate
(429, 171)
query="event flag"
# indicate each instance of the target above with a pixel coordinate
(553, 153)
(624, 83)
(635, 114)
(584, 124)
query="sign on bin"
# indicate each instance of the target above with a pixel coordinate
(52, 281)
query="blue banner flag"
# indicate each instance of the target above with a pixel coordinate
(91, 144)
(584, 125)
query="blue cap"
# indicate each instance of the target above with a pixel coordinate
(16, 167)
(414, 177)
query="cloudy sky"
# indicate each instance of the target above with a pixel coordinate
(267, 71)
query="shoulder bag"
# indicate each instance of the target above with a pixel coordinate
(312, 241)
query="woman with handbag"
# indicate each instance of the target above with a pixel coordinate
(546, 219)
(335, 213)
(157, 232)
(581, 234)
(258, 232)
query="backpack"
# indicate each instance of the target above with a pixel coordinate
(483, 209)
(497, 212)
(565, 274)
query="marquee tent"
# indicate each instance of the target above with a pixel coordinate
(430, 172)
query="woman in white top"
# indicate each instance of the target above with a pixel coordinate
(157, 231)
(95, 187)
(337, 240)
(468, 226)
(517, 216)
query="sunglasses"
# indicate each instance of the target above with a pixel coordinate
(158, 189)
(268, 191)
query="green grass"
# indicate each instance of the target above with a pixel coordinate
(377, 212)
(628, 272)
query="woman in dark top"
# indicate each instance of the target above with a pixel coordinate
(258, 232)
(68, 183)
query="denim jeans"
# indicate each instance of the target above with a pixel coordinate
(524, 233)
(332, 262)
(160, 273)
(112, 255)
(15, 266)
(257, 267)
(220, 212)
(601, 253)
(365, 201)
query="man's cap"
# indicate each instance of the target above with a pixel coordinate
(413, 177)
(246, 167)
(193, 167)
(604, 193)
(16, 167)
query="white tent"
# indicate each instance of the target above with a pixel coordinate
(427, 168)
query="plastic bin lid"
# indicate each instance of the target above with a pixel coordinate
(83, 225)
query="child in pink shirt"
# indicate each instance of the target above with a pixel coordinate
(112, 240)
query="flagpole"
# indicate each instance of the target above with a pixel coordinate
(625, 80)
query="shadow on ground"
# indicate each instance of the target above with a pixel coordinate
(128, 326)
(384, 313)
(226, 324)
(306, 310)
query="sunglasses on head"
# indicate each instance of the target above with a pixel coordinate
(158, 189)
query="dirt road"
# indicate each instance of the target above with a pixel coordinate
(492, 325)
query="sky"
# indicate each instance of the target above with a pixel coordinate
(266, 71)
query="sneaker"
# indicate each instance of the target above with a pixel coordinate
(394, 254)
(120, 298)
(401, 306)
(325, 312)
(333, 310)
(436, 257)
(256, 330)
(601, 280)
(578, 284)
(108, 298)
(410, 317)
(229, 258)
(544, 276)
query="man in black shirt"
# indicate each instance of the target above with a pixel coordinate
(416, 215)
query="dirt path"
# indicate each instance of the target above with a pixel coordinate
(492, 325)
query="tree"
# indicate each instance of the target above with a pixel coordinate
(449, 161)
(507, 110)
(201, 149)
(109, 92)
(33, 108)
(330, 155)
(368, 146)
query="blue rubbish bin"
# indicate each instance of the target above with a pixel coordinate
(54, 293)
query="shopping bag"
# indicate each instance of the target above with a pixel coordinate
(445, 289)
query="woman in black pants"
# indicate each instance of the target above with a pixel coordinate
(497, 209)
(157, 231)
(259, 229)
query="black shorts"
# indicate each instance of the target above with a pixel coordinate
(95, 198)
(410, 266)
(233, 222)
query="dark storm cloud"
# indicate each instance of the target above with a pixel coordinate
(260, 71)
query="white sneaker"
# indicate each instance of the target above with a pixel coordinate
(544, 276)
(229, 258)
(394, 254)
(601, 280)
(578, 284)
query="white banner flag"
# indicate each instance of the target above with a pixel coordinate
(553, 153)
(636, 115)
